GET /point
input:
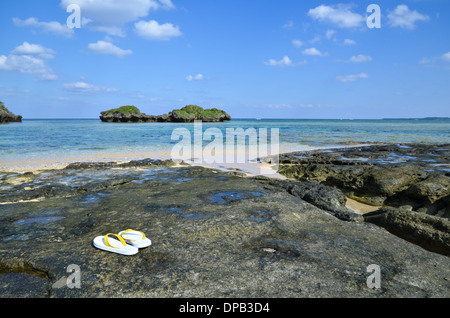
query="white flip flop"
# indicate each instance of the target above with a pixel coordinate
(135, 238)
(114, 246)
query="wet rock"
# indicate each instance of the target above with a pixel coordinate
(431, 189)
(374, 183)
(256, 239)
(324, 197)
(430, 232)
(414, 174)
(90, 165)
(23, 285)
(391, 180)
(412, 179)
(130, 164)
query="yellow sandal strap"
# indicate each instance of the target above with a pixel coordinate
(125, 232)
(119, 237)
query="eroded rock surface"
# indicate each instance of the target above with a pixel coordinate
(214, 234)
(409, 183)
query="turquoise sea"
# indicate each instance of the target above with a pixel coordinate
(55, 140)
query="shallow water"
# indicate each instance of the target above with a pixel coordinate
(39, 220)
(61, 141)
(225, 197)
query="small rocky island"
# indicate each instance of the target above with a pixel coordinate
(7, 117)
(188, 114)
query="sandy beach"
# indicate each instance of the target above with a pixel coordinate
(251, 167)
(41, 164)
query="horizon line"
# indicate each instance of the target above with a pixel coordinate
(270, 118)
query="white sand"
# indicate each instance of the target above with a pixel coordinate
(36, 165)
(42, 164)
(359, 207)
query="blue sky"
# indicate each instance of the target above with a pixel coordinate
(253, 58)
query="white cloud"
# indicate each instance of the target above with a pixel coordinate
(360, 58)
(104, 47)
(152, 30)
(425, 60)
(290, 106)
(314, 52)
(197, 77)
(436, 61)
(340, 16)
(349, 42)
(285, 61)
(139, 96)
(330, 34)
(315, 39)
(351, 77)
(446, 57)
(166, 4)
(52, 27)
(316, 105)
(34, 49)
(110, 16)
(404, 18)
(277, 106)
(13, 91)
(297, 43)
(86, 88)
(29, 59)
(289, 25)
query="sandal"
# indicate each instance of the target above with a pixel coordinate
(114, 246)
(135, 238)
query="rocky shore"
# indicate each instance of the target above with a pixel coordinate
(8, 117)
(222, 234)
(188, 114)
(409, 186)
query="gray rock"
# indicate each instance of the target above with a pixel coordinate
(324, 197)
(177, 116)
(430, 232)
(8, 117)
(259, 241)
(431, 189)
(409, 183)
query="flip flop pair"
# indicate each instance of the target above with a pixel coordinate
(125, 243)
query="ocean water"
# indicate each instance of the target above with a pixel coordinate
(73, 140)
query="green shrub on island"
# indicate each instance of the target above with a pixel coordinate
(126, 110)
(7, 117)
(194, 112)
(187, 114)
(191, 109)
(3, 108)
